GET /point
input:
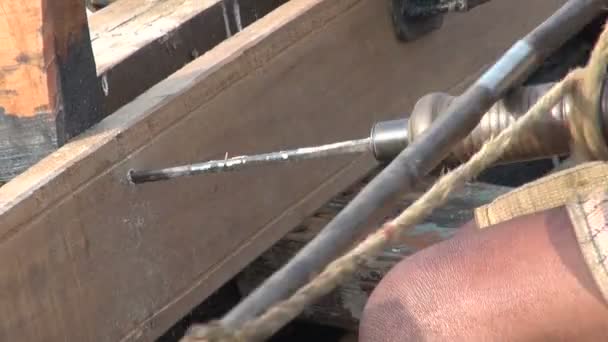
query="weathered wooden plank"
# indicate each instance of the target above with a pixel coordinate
(48, 89)
(343, 307)
(89, 257)
(138, 43)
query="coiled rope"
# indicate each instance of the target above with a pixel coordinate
(584, 85)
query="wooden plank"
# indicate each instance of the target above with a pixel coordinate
(48, 89)
(343, 307)
(89, 257)
(138, 43)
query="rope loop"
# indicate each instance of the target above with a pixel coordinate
(586, 120)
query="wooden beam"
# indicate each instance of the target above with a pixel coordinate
(86, 256)
(48, 87)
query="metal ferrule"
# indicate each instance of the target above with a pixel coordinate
(388, 138)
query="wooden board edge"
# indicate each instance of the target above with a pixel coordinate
(132, 127)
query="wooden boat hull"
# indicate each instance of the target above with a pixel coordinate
(89, 257)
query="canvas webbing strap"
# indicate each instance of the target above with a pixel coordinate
(549, 192)
(589, 217)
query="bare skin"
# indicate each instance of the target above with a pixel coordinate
(523, 280)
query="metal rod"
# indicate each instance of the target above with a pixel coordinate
(242, 162)
(421, 157)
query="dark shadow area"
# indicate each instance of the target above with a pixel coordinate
(227, 297)
(214, 307)
(304, 332)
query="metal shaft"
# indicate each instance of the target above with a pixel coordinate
(423, 155)
(242, 162)
(546, 138)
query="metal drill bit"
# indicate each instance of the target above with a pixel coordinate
(242, 162)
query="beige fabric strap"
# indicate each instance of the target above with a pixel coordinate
(589, 216)
(549, 192)
(583, 191)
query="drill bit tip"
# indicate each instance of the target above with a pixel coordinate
(242, 162)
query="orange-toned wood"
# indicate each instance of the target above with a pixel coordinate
(48, 87)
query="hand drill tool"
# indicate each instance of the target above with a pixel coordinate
(424, 153)
(549, 137)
